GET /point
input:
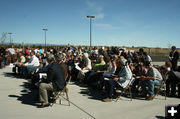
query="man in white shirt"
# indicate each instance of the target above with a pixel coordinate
(30, 66)
(12, 53)
(11, 50)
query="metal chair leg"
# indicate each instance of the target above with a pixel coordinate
(130, 93)
(67, 97)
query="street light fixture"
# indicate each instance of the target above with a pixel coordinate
(10, 37)
(90, 17)
(45, 35)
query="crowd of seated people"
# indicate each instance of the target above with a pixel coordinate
(7, 55)
(103, 68)
(3, 58)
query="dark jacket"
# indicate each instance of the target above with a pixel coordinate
(64, 69)
(56, 76)
(174, 60)
(175, 56)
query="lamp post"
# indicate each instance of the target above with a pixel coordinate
(10, 37)
(45, 35)
(90, 17)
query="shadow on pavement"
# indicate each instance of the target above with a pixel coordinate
(12, 75)
(88, 91)
(160, 117)
(93, 93)
(29, 96)
(9, 74)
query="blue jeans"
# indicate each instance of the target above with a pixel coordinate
(150, 84)
(109, 86)
(26, 70)
(30, 69)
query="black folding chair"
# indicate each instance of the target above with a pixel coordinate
(126, 89)
(60, 93)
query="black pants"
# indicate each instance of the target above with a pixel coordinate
(172, 82)
(174, 65)
(18, 69)
(12, 58)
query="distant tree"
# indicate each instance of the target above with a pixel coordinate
(169, 45)
(3, 37)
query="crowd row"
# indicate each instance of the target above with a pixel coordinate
(103, 68)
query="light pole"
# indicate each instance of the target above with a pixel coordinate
(10, 37)
(90, 28)
(45, 35)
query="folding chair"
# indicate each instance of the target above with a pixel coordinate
(127, 89)
(162, 87)
(64, 90)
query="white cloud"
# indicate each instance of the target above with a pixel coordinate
(106, 26)
(90, 4)
(95, 8)
(99, 16)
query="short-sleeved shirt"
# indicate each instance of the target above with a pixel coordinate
(153, 72)
(22, 59)
(12, 51)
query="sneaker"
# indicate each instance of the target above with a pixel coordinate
(149, 97)
(107, 100)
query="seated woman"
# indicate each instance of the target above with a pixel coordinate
(84, 69)
(139, 70)
(123, 78)
(21, 60)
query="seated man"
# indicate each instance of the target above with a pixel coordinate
(93, 58)
(97, 70)
(123, 78)
(31, 65)
(64, 67)
(55, 81)
(153, 77)
(100, 65)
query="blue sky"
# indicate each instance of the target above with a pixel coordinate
(151, 23)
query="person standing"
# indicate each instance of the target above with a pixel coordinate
(173, 57)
